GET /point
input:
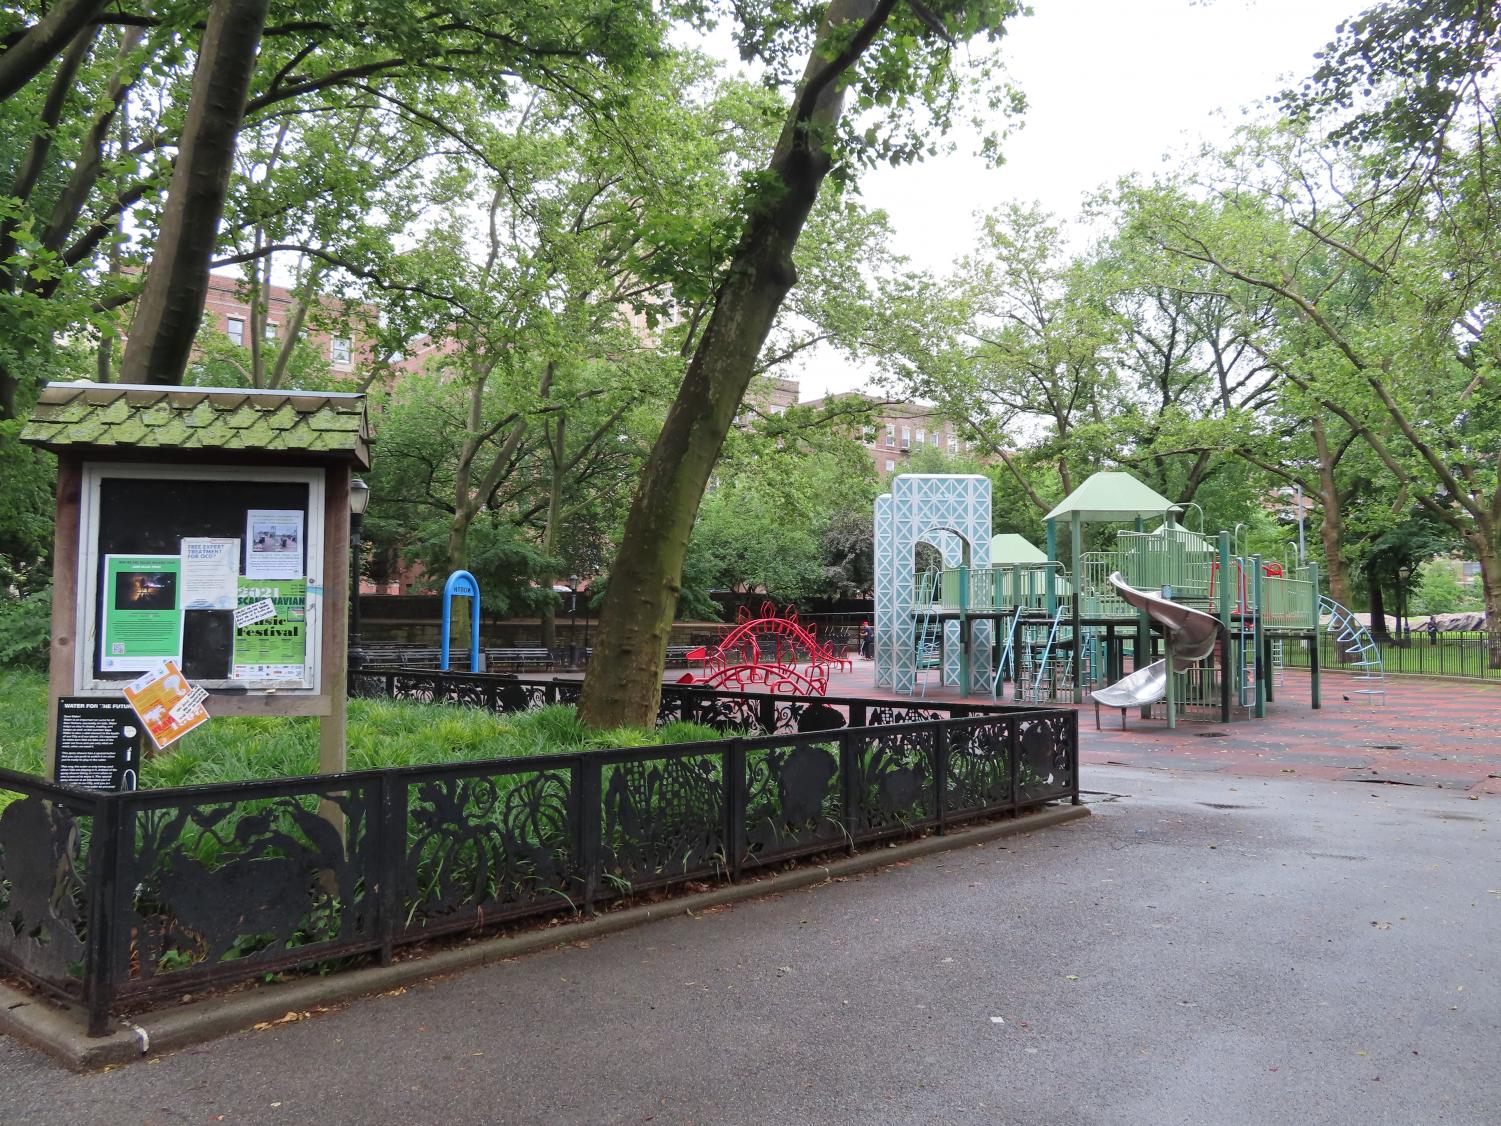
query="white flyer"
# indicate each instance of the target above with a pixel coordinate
(254, 612)
(210, 568)
(274, 543)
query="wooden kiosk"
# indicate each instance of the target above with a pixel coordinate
(178, 507)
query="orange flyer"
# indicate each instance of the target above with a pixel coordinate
(168, 705)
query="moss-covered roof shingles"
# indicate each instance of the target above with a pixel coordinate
(80, 417)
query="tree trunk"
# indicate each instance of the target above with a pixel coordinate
(1332, 526)
(557, 447)
(43, 41)
(624, 682)
(1378, 610)
(171, 303)
(1489, 556)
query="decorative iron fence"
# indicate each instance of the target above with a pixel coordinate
(1465, 655)
(115, 898)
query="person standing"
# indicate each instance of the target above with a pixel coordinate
(1432, 628)
(867, 641)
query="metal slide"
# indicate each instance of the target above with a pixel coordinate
(1194, 634)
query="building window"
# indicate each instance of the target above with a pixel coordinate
(340, 352)
(953, 443)
(890, 434)
(270, 330)
(235, 327)
(921, 436)
(868, 434)
(934, 437)
(906, 437)
(890, 465)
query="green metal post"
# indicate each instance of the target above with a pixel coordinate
(964, 631)
(1076, 542)
(1315, 627)
(1256, 637)
(1172, 688)
(1143, 656)
(1226, 613)
(1051, 579)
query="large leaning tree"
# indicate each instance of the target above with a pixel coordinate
(879, 82)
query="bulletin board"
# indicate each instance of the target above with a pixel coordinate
(219, 567)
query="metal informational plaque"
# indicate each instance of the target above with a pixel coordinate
(98, 744)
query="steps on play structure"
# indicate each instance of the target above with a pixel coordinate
(1354, 639)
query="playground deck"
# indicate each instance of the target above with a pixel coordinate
(1428, 733)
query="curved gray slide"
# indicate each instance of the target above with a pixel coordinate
(1193, 632)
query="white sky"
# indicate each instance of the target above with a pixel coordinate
(1113, 86)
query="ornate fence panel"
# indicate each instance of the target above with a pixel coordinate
(116, 897)
(52, 878)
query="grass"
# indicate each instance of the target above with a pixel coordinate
(382, 733)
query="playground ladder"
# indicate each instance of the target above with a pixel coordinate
(1278, 663)
(929, 632)
(1044, 664)
(1008, 654)
(1354, 639)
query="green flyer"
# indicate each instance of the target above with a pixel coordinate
(142, 612)
(270, 629)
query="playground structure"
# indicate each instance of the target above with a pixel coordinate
(774, 652)
(1202, 627)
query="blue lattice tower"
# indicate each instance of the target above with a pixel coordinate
(884, 560)
(950, 511)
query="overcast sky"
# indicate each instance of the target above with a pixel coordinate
(1113, 86)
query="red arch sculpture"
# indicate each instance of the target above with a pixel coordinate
(740, 660)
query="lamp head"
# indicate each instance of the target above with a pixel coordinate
(359, 497)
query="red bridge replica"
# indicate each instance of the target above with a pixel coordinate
(774, 652)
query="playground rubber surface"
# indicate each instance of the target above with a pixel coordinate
(1426, 733)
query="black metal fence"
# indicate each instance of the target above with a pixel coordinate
(115, 898)
(1448, 654)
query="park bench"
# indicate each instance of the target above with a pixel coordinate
(514, 660)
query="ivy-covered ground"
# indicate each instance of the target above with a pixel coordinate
(381, 733)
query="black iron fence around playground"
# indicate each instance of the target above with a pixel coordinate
(116, 898)
(1449, 654)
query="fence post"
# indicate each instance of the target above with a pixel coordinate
(766, 714)
(849, 783)
(735, 799)
(591, 816)
(390, 848)
(1072, 722)
(1012, 767)
(941, 775)
(99, 960)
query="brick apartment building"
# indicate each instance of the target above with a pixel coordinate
(896, 429)
(346, 349)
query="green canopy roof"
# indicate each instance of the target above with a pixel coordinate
(117, 418)
(1011, 548)
(1111, 496)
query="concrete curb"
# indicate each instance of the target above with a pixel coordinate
(61, 1030)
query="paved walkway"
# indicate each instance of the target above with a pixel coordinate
(1206, 949)
(1428, 733)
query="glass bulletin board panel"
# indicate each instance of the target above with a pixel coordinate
(178, 554)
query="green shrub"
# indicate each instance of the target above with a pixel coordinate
(26, 630)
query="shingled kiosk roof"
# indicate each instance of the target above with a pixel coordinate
(119, 418)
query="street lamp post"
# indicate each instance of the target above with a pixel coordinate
(1404, 576)
(359, 500)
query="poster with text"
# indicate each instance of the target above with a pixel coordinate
(210, 568)
(142, 620)
(168, 705)
(273, 543)
(274, 647)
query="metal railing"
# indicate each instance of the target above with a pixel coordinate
(1460, 655)
(114, 898)
(1007, 587)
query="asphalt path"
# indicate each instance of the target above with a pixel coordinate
(1205, 949)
